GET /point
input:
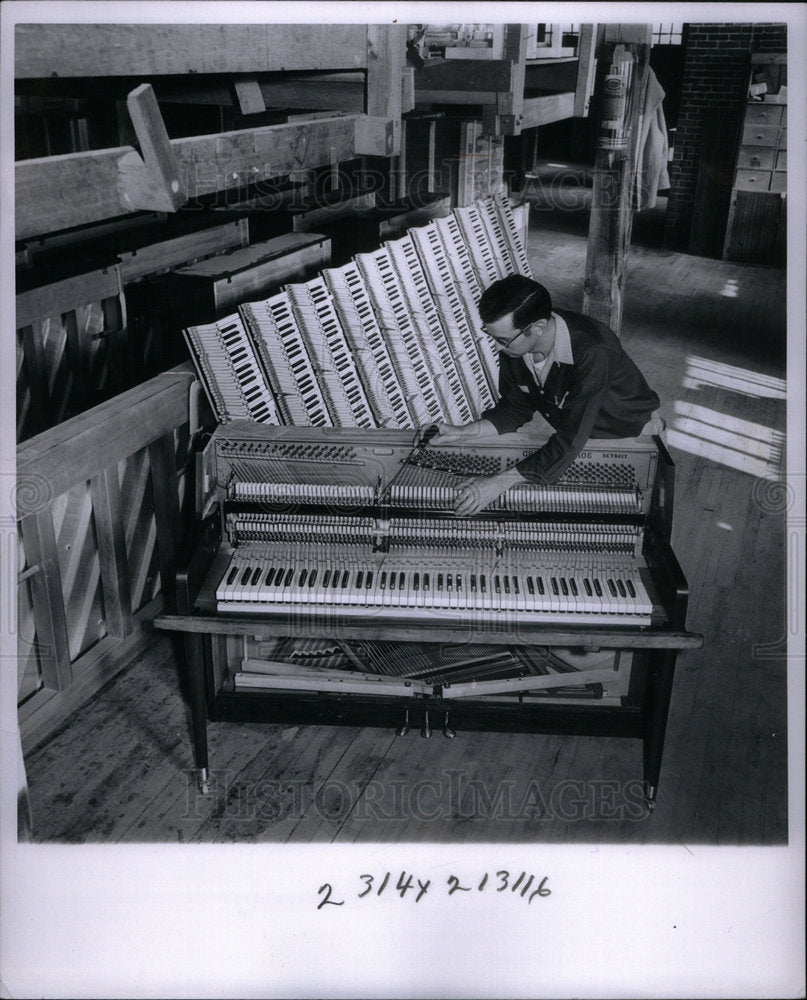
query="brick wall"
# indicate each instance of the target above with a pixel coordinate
(716, 69)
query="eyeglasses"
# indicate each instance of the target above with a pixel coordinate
(508, 342)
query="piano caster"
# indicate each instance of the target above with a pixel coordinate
(426, 731)
(403, 729)
(202, 779)
(650, 796)
(448, 732)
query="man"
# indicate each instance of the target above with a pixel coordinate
(567, 367)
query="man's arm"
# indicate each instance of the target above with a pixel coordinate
(588, 389)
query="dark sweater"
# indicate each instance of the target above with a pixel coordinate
(602, 395)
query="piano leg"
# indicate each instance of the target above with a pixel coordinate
(657, 706)
(194, 660)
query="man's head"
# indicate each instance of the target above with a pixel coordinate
(516, 313)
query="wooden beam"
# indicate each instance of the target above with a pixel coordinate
(543, 110)
(386, 55)
(81, 50)
(515, 47)
(611, 218)
(153, 183)
(492, 75)
(57, 192)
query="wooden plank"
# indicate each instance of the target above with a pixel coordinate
(586, 69)
(156, 182)
(250, 98)
(166, 254)
(468, 77)
(543, 110)
(47, 598)
(78, 449)
(343, 92)
(64, 296)
(613, 638)
(47, 50)
(57, 192)
(36, 377)
(111, 541)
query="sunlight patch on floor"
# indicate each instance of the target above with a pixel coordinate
(702, 372)
(739, 444)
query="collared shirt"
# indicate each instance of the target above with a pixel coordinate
(592, 389)
(561, 352)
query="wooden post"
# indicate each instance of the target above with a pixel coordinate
(611, 218)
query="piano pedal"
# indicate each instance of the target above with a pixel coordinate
(426, 731)
(202, 780)
(403, 729)
(448, 732)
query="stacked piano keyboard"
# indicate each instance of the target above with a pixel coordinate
(390, 340)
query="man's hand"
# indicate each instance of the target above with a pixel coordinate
(479, 492)
(468, 433)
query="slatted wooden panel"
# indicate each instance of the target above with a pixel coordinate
(70, 342)
(98, 538)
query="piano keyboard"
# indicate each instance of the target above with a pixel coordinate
(439, 357)
(500, 204)
(291, 582)
(406, 350)
(316, 315)
(459, 334)
(231, 372)
(285, 355)
(470, 292)
(529, 498)
(367, 341)
(489, 265)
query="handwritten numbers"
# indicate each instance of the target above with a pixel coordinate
(524, 885)
(328, 889)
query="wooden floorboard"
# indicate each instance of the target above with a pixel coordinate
(122, 769)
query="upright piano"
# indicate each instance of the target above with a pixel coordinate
(332, 583)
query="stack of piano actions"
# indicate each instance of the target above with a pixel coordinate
(333, 583)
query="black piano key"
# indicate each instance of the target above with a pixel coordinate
(555, 589)
(326, 578)
(232, 575)
(631, 588)
(540, 582)
(612, 588)
(564, 586)
(301, 581)
(621, 586)
(573, 585)
(255, 577)
(269, 574)
(345, 578)
(530, 586)
(587, 585)
(246, 574)
(359, 579)
(598, 588)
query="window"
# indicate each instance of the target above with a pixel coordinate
(667, 34)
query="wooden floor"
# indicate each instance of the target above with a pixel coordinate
(710, 337)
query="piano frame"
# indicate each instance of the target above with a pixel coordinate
(642, 715)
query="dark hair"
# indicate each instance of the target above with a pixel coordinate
(524, 298)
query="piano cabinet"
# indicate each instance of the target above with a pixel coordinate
(331, 583)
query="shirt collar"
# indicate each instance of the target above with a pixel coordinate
(562, 349)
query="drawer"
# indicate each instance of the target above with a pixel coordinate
(779, 181)
(756, 158)
(760, 135)
(781, 160)
(753, 180)
(763, 114)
